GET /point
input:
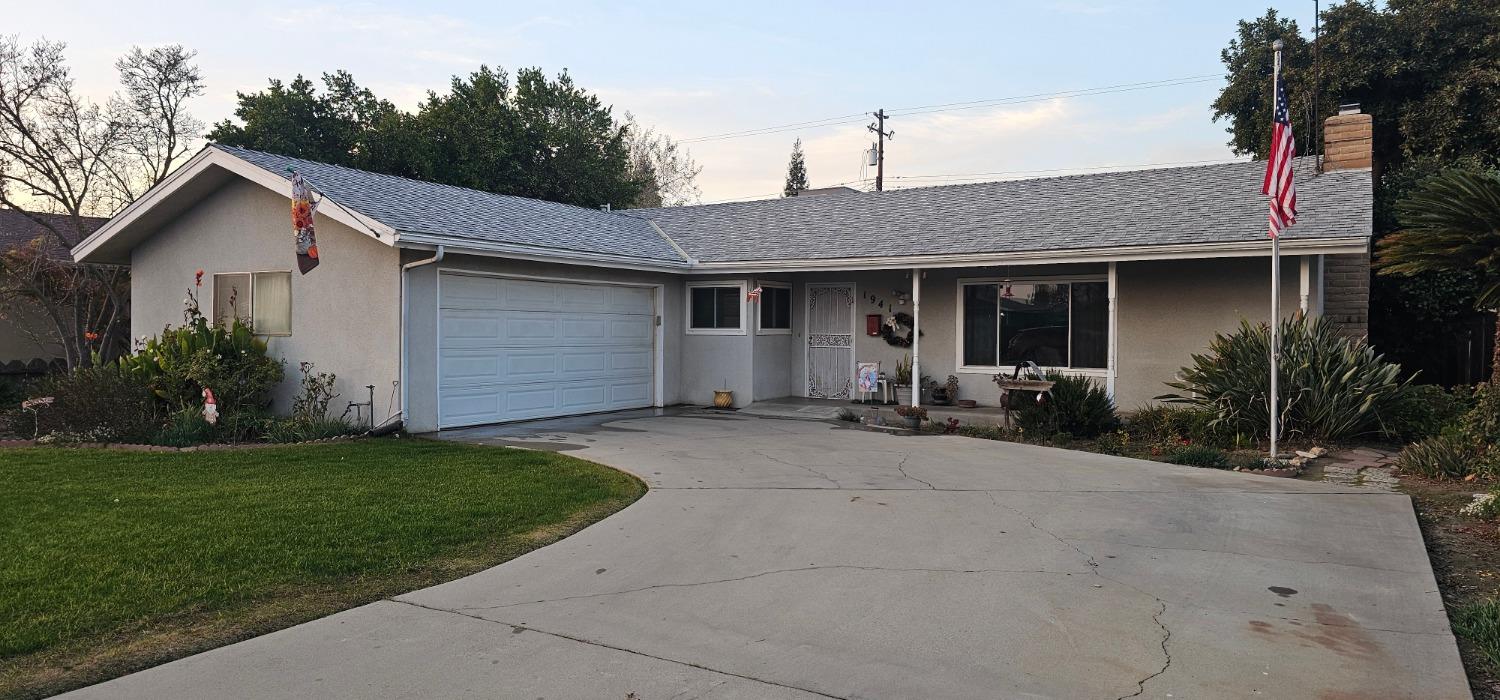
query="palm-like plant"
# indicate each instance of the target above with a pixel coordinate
(1451, 222)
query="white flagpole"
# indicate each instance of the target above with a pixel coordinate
(1275, 274)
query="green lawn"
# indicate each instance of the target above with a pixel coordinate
(116, 560)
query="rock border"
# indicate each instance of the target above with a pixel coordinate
(208, 447)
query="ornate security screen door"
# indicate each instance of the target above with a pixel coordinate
(830, 341)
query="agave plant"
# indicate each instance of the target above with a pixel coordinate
(1451, 222)
(1332, 387)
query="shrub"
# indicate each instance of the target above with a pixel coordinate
(1332, 387)
(1199, 456)
(1165, 424)
(317, 392)
(1481, 423)
(1479, 624)
(1441, 456)
(1427, 410)
(102, 402)
(1075, 406)
(1114, 442)
(1484, 505)
(918, 412)
(184, 428)
(230, 361)
(303, 429)
(848, 416)
(985, 432)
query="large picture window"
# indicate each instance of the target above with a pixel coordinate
(1054, 324)
(715, 308)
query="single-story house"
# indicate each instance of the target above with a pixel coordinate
(29, 343)
(464, 307)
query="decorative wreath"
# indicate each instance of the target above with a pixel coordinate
(890, 328)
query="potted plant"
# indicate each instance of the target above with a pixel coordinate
(903, 381)
(723, 398)
(914, 415)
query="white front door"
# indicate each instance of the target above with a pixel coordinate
(513, 349)
(830, 341)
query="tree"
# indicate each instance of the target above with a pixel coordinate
(668, 172)
(337, 126)
(1451, 223)
(796, 172)
(542, 137)
(61, 154)
(1425, 71)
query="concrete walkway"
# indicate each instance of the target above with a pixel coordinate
(798, 559)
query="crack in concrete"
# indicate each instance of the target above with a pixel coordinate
(1245, 554)
(1094, 568)
(613, 647)
(1166, 635)
(773, 572)
(803, 467)
(901, 467)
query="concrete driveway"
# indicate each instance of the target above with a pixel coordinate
(795, 559)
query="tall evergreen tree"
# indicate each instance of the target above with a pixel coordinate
(796, 172)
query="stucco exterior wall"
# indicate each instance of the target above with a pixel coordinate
(344, 312)
(422, 328)
(1170, 309)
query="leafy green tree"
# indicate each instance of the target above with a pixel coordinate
(1451, 224)
(542, 137)
(1426, 72)
(796, 172)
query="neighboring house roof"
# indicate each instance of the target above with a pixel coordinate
(18, 228)
(1195, 211)
(417, 207)
(1199, 204)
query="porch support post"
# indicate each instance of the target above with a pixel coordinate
(1112, 356)
(1304, 284)
(916, 336)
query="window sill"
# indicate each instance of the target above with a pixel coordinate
(715, 331)
(773, 331)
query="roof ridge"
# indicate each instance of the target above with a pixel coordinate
(230, 149)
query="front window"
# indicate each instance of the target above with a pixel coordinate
(713, 308)
(261, 300)
(775, 308)
(1054, 324)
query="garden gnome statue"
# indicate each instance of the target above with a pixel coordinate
(210, 407)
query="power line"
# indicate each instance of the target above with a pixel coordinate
(956, 106)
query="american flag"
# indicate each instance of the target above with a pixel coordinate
(1278, 184)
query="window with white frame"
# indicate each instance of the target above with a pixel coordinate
(775, 309)
(716, 308)
(1052, 323)
(263, 300)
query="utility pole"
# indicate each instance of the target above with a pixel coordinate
(881, 135)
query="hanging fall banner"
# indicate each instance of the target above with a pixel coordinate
(303, 208)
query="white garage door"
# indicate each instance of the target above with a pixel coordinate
(512, 349)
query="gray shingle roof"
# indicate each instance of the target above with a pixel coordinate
(18, 229)
(414, 206)
(1198, 204)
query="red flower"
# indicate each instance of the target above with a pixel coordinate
(90, 336)
(198, 278)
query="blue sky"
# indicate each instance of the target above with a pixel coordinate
(695, 69)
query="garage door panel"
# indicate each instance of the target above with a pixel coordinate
(518, 349)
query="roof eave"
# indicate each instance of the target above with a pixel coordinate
(469, 246)
(1358, 244)
(92, 248)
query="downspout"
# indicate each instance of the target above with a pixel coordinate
(436, 258)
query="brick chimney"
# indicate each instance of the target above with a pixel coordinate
(1347, 140)
(1347, 145)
